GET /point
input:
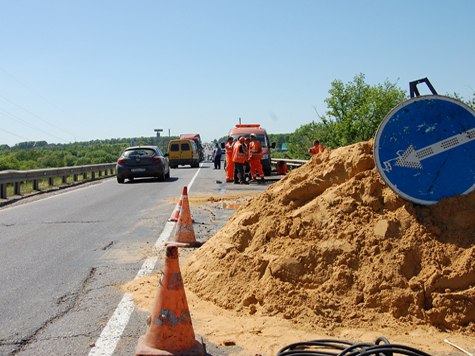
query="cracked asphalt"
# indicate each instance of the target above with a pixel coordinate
(65, 253)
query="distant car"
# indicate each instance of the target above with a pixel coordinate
(142, 161)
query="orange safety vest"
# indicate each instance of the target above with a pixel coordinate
(316, 149)
(238, 157)
(256, 150)
(282, 169)
(229, 149)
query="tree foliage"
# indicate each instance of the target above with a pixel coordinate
(279, 139)
(302, 139)
(356, 109)
(40, 154)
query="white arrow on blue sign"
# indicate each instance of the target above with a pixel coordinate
(424, 149)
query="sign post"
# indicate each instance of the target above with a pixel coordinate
(158, 134)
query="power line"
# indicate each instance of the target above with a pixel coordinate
(29, 112)
(14, 134)
(49, 102)
(16, 118)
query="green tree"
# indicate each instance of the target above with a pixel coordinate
(356, 109)
(69, 160)
(101, 156)
(9, 162)
(28, 155)
(27, 165)
(302, 139)
(83, 161)
(51, 160)
(279, 139)
(221, 139)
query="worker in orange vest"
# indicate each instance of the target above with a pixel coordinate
(317, 148)
(229, 160)
(255, 151)
(247, 166)
(239, 157)
(281, 167)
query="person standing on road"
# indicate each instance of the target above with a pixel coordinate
(255, 151)
(317, 148)
(239, 157)
(217, 157)
(247, 167)
(229, 160)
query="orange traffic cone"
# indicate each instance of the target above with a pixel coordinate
(177, 211)
(184, 233)
(180, 204)
(170, 331)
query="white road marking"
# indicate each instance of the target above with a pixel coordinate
(111, 334)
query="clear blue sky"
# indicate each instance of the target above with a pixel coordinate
(83, 70)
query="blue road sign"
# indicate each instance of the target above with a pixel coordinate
(424, 149)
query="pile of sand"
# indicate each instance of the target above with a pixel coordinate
(331, 245)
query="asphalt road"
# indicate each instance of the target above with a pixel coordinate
(62, 257)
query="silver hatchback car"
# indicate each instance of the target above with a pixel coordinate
(142, 161)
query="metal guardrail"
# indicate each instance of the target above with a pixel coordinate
(290, 162)
(17, 177)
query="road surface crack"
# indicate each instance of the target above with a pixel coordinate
(71, 301)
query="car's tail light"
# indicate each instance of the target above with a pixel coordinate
(157, 159)
(120, 161)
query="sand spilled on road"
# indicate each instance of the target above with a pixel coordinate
(331, 248)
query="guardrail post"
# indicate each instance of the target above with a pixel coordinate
(51, 181)
(93, 175)
(84, 175)
(3, 191)
(65, 179)
(75, 177)
(105, 172)
(17, 189)
(100, 172)
(36, 185)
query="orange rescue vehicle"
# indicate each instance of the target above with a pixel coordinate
(261, 134)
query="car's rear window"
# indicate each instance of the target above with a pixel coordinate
(174, 147)
(139, 152)
(185, 146)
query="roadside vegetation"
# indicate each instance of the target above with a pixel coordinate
(354, 112)
(40, 154)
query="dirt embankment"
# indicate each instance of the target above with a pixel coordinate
(332, 245)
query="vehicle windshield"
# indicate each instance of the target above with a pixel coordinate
(261, 137)
(139, 152)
